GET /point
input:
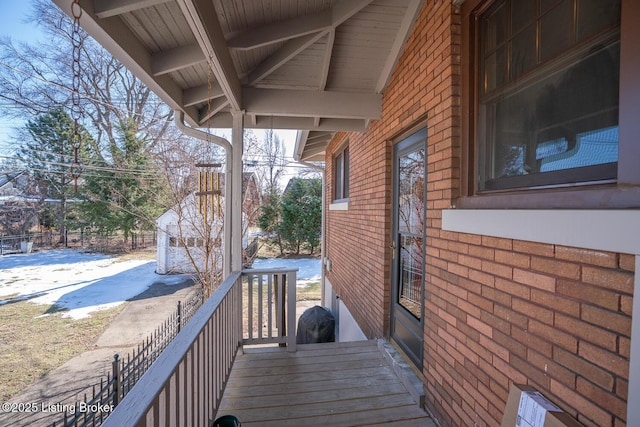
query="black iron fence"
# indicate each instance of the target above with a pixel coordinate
(78, 239)
(24, 243)
(126, 371)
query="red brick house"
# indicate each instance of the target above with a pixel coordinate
(482, 193)
(487, 258)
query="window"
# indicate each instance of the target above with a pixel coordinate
(547, 85)
(341, 174)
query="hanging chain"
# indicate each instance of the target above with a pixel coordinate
(76, 112)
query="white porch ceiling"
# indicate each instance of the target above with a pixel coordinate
(317, 66)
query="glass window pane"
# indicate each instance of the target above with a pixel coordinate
(565, 120)
(523, 52)
(495, 26)
(494, 70)
(555, 30)
(411, 192)
(411, 275)
(339, 176)
(522, 13)
(345, 192)
(595, 15)
(544, 4)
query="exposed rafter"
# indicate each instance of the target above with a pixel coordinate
(118, 39)
(203, 20)
(107, 8)
(282, 31)
(401, 36)
(301, 32)
(199, 94)
(326, 74)
(176, 59)
(282, 56)
(326, 61)
(213, 108)
(345, 9)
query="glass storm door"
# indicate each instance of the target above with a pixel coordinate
(408, 245)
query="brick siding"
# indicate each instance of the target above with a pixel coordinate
(497, 310)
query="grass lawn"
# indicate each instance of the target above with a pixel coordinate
(35, 339)
(31, 345)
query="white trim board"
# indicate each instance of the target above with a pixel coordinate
(607, 230)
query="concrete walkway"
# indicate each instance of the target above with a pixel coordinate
(42, 402)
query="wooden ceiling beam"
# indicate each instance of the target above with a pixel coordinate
(199, 94)
(203, 20)
(282, 56)
(107, 8)
(345, 9)
(305, 103)
(401, 36)
(120, 41)
(282, 31)
(176, 59)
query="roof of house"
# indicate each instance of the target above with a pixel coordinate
(7, 177)
(317, 66)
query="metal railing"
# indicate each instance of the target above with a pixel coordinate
(185, 384)
(15, 244)
(126, 371)
(76, 239)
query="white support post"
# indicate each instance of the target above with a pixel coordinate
(236, 190)
(228, 209)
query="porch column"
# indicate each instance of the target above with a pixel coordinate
(236, 190)
(226, 258)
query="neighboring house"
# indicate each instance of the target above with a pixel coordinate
(482, 188)
(185, 245)
(19, 202)
(183, 239)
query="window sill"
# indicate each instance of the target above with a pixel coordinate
(602, 196)
(339, 205)
(607, 230)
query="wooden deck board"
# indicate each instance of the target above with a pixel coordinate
(337, 384)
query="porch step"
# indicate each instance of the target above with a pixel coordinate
(405, 372)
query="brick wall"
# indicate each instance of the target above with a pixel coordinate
(358, 266)
(498, 310)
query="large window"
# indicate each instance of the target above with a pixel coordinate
(341, 174)
(547, 79)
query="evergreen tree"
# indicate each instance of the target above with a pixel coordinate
(46, 153)
(126, 192)
(269, 219)
(301, 214)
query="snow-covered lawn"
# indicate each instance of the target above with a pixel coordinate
(81, 282)
(309, 269)
(76, 281)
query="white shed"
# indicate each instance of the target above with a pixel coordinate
(183, 238)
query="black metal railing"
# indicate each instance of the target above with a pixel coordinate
(126, 371)
(77, 239)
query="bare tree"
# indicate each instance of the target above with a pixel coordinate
(38, 78)
(196, 222)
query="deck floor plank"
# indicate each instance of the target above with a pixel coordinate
(337, 384)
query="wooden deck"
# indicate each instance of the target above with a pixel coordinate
(333, 384)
